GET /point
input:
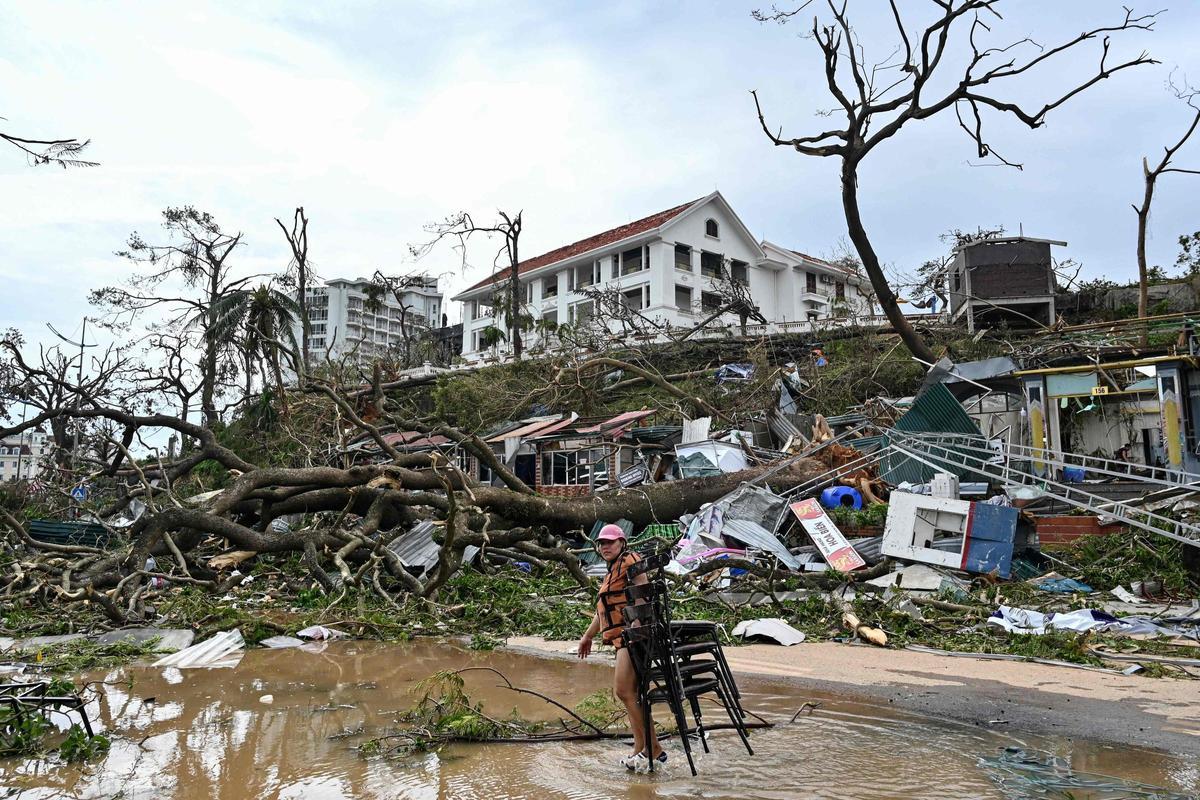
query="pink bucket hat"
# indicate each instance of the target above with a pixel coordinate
(610, 532)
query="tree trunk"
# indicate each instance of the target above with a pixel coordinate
(208, 368)
(1143, 215)
(514, 311)
(870, 261)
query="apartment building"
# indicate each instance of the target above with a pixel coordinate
(23, 455)
(668, 267)
(343, 319)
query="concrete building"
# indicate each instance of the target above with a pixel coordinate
(1008, 279)
(23, 455)
(667, 266)
(342, 320)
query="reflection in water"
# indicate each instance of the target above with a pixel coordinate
(283, 724)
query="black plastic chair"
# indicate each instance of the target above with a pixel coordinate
(664, 678)
(696, 643)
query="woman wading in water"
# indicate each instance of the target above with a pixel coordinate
(609, 622)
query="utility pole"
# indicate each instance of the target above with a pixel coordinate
(78, 381)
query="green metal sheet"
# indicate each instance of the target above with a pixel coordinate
(934, 411)
(67, 532)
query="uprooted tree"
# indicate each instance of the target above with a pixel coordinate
(918, 80)
(347, 513)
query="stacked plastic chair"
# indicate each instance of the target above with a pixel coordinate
(677, 662)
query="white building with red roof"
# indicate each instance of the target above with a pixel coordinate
(668, 267)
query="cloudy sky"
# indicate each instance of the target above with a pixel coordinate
(381, 117)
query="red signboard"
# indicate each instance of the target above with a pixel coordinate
(825, 535)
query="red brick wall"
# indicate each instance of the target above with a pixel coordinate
(1058, 531)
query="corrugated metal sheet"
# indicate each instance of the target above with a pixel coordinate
(88, 534)
(416, 548)
(528, 429)
(656, 433)
(935, 411)
(754, 535)
(617, 421)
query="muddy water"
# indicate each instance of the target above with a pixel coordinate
(283, 724)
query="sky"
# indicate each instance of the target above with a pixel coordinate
(380, 118)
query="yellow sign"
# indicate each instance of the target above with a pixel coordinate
(1100, 390)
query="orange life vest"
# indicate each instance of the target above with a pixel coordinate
(612, 597)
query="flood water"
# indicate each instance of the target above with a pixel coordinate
(280, 725)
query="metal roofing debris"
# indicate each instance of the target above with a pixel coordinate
(218, 651)
(946, 371)
(758, 537)
(619, 421)
(734, 372)
(416, 548)
(64, 532)
(656, 433)
(527, 428)
(935, 411)
(696, 430)
(414, 439)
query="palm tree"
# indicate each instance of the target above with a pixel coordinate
(260, 321)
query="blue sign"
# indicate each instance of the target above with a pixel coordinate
(80, 493)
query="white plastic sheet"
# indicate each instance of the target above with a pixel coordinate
(770, 628)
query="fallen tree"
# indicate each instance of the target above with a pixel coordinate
(348, 514)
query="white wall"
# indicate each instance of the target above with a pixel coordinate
(778, 288)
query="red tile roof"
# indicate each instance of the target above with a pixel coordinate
(824, 263)
(591, 243)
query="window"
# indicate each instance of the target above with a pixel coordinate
(810, 283)
(585, 275)
(581, 312)
(710, 264)
(683, 257)
(839, 290)
(711, 228)
(550, 318)
(636, 299)
(550, 287)
(710, 301)
(632, 261)
(739, 271)
(529, 292)
(957, 281)
(616, 265)
(683, 298)
(573, 468)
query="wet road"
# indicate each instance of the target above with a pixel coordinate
(282, 725)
